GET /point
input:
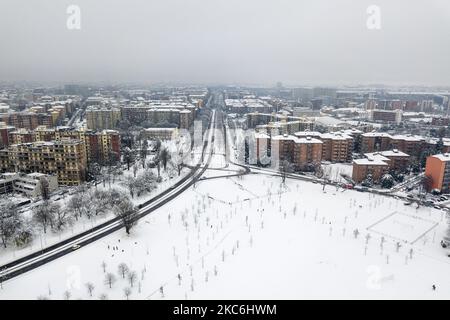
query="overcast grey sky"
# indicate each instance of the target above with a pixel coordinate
(227, 41)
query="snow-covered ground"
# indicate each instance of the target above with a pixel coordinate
(334, 170)
(250, 237)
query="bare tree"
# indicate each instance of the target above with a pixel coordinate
(94, 172)
(127, 292)
(90, 288)
(103, 296)
(104, 266)
(157, 145)
(45, 190)
(123, 269)
(128, 156)
(144, 150)
(164, 155)
(126, 211)
(110, 279)
(44, 214)
(63, 218)
(130, 184)
(318, 170)
(157, 161)
(75, 205)
(135, 170)
(132, 276)
(285, 168)
(10, 221)
(145, 183)
(426, 183)
(67, 295)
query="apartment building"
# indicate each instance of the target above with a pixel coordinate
(248, 105)
(379, 163)
(163, 115)
(65, 158)
(396, 159)
(303, 153)
(375, 166)
(438, 169)
(307, 153)
(375, 141)
(257, 119)
(21, 136)
(337, 147)
(262, 145)
(7, 182)
(381, 141)
(29, 185)
(5, 131)
(181, 114)
(101, 146)
(409, 144)
(102, 117)
(27, 120)
(394, 116)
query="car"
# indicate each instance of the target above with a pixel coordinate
(443, 198)
(75, 247)
(437, 207)
(407, 203)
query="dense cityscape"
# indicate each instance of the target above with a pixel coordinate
(81, 162)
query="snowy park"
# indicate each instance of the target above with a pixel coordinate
(253, 237)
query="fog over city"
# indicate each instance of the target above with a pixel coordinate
(226, 41)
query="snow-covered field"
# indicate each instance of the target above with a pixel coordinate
(334, 170)
(251, 237)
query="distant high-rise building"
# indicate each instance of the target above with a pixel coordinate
(102, 117)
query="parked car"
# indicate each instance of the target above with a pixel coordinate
(435, 192)
(361, 189)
